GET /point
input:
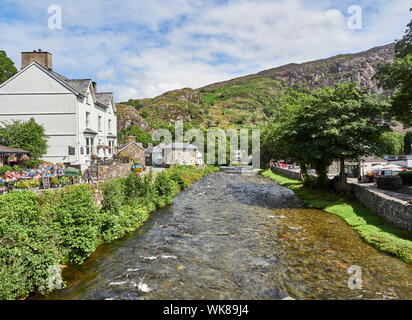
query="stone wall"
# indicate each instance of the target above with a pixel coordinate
(288, 173)
(136, 152)
(116, 170)
(392, 210)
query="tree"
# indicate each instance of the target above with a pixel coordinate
(392, 143)
(335, 123)
(407, 142)
(397, 77)
(141, 135)
(7, 68)
(27, 135)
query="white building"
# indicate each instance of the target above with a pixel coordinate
(75, 116)
(401, 160)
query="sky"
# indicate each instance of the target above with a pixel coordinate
(141, 49)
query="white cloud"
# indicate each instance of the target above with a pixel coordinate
(143, 48)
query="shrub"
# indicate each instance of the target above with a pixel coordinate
(389, 182)
(77, 217)
(177, 178)
(113, 195)
(133, 184)
(164, 185)
(406, 177)
(27, 245)
(54, 181)
(4, 169)
(33, 183)
(21, 184)
(56, 227)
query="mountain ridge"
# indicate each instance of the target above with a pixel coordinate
(248, 100)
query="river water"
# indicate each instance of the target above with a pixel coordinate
(232, 236)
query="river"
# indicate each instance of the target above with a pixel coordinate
(232, 236)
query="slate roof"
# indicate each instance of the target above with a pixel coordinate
(82, 85)
(179, 145)
(7, 150)
(79, 85)
(89, 131)
(105, 98)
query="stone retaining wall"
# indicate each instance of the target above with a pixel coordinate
(392, 210)
(116, 170)
(288, 173)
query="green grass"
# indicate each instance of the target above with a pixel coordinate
(372, 229)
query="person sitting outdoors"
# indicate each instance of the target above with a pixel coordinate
(31, 173)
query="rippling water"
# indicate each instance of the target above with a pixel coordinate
(233, 236)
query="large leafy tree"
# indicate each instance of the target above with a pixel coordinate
(397, 77)
(7, 68)
(336, 123)
(140, 135)
(27, 135)
(407, 142)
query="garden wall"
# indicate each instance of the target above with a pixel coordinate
(116, 170)
(392, 210)
(288, 173)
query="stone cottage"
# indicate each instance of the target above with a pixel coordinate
(134, 149)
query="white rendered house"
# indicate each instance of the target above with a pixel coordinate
(77, 119)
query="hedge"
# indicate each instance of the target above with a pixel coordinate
(40, 232)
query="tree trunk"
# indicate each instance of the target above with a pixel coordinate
(303, 172)
(342, 175)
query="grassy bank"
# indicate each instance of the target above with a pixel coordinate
(373, 229)
(41, 232)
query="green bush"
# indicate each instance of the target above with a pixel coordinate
(38, 231)
(177, 178)
(4, 169)
(27, 248)
(164, 185)
(21, 184)
(77, 217)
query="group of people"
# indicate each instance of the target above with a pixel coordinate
(35, 174)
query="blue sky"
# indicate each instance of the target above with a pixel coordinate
(143, 48)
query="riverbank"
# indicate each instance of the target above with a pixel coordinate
(372, 229)
(41, 232)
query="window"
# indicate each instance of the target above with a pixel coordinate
(89, 145)
(100, 123)
(111, 144)
(109, 125)
(72, 151)
(87, 119)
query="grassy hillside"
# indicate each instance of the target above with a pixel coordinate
(251, 100)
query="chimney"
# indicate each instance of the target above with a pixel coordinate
(130, 139)
(150, 145)
(94, 84)
(41, 57)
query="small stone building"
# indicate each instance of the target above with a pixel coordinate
(134, 149)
